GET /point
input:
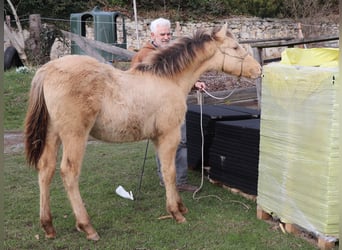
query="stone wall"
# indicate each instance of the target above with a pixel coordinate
(243, 28)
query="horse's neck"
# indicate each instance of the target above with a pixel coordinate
(186, 82)
(190, 76)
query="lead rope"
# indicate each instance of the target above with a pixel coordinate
(202, 153)
(142, 170)
(201, 124)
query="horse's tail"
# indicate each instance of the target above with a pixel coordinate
(36, 121)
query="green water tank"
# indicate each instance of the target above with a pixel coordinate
(108, 27)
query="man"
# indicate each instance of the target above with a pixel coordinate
(160, 37)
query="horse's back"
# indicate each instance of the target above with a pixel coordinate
(73, 65)
(73, 90)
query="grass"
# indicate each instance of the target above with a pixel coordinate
(124, 224)
(16, 88)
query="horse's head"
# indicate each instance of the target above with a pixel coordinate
(236, 60)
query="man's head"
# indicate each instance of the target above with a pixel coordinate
(160, 31)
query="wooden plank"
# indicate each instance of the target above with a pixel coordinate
(294, 42)
(233, 190)
(262, 215)
(236, 95)
(85, 45)
(266, 40)
(323, 243)
(89, 46)
(291, 228)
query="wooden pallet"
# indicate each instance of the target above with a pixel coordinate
(321, 242)
(233, 190)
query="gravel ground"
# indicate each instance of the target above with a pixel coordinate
(218, 81)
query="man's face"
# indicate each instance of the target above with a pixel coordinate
(162, 36)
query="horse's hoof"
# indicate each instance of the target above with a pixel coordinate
(50, 236)
(90, 236)
(50, 233)
(178, 217)
(183, 209)
(181, 220)
(94, 237)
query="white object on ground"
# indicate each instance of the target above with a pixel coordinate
(123, 193)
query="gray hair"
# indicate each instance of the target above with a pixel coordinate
(159, 22)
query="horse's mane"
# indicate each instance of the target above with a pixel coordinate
(171, 60)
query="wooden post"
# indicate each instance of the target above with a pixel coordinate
(300, 35)
(8, 22)
(262, 215)
(178, 30)
(257, 53)
(35, 27)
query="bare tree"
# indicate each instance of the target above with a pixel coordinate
(309, 8)
(311, 13)
(16, 37)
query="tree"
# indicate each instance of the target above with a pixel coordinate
(309, 8)
(184, 9)
(49, 8)
(17, 38)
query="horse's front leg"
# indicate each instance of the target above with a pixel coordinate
(73, 152)
(166, 148)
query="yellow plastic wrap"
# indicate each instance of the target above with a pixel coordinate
(322, 57)
(299, 150)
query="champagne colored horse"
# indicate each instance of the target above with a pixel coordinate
(76, 96)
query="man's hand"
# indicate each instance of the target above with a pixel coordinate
(200, 85)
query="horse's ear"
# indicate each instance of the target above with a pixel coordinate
(223, 31)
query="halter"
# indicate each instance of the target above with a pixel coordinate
(242, 58)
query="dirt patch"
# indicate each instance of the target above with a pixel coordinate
(13, 142)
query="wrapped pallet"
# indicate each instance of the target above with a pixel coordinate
(299, 141)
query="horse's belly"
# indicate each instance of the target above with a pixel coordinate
(113, 136)
(115, 131)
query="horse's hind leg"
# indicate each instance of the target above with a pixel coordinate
(73, 152)
(46, 169)
(166, 147)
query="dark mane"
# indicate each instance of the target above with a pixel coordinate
(171, 60)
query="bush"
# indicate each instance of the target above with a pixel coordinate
(186, 9)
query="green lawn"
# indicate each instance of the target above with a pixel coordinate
(226, 223)
(16, 88)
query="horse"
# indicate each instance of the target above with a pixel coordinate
(76, 96)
